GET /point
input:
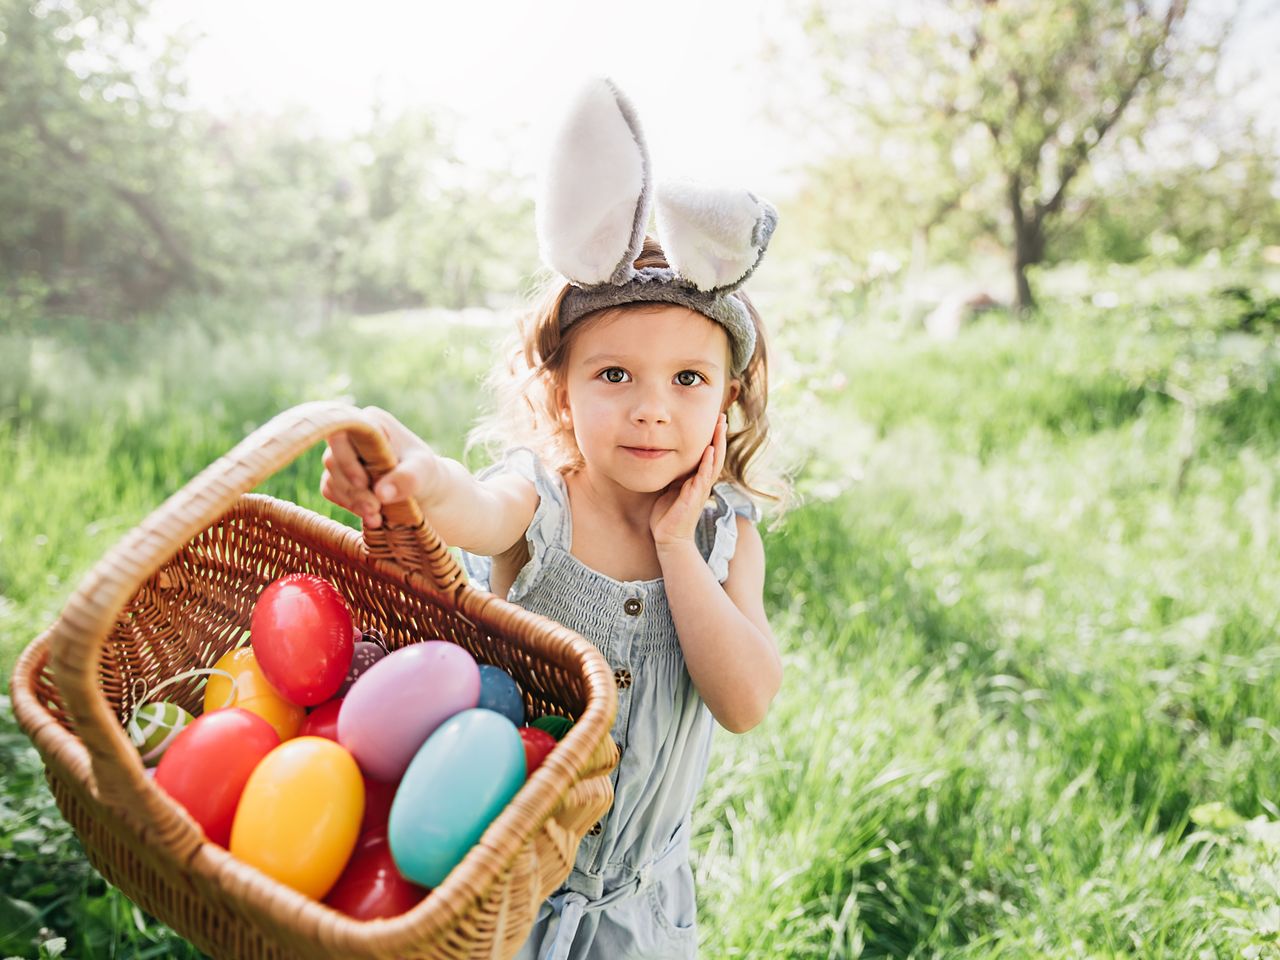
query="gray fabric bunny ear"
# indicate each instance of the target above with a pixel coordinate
(596, 197)
(594, 206)
(714, 238)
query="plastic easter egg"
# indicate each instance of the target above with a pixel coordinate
(378, 797)
(499, 693)
(322, 721)
(303, 635)
(153, 727)
(208, 764)
(364, 656)
(252, 692)
(371, 886)
(556, 726)
(299, 817)
(389, 713)
(537, 744)
(461, 779)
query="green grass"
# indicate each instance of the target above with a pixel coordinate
(1028, 609)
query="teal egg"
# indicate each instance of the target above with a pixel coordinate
(153, 727)
(458, 782)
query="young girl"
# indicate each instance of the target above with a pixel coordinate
(624, 516)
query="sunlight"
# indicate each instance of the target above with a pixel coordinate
(502, 70)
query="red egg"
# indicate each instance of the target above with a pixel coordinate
(377, 806)
(371, 886)
(537, 744)
(302, 636)
(208, 764)
(322, 721)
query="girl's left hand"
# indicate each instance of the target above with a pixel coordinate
(675, 514)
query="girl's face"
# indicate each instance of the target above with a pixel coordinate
(643, 389)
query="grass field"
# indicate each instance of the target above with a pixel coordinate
(1029, 606)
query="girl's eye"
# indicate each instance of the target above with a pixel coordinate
(689, 378)
(614, 375)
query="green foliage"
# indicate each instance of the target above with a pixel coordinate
(97, 201)
(1030, 634)
(1066, 130)
(1259, 313)
(121, 202)
(49, 895)
(1175, 213)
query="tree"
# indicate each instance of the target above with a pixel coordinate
(1008, 94)
(95, 202)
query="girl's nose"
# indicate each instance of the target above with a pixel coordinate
(650, 407)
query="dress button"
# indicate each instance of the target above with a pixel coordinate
(633, 607)
(622, 677)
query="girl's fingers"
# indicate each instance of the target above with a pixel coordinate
(336, 490)
(342, 455)
(411, 477)
(329, 490)
(399, 484)
(721, 443)
(697, 488)
(347, 483)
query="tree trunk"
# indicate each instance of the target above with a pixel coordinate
(1024, 300)
(915, 274)
(1028, 246)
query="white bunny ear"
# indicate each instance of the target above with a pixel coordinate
(712, 237)
(595, 199)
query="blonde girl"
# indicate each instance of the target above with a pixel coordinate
(621, 505)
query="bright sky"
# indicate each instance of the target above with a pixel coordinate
(506, 69)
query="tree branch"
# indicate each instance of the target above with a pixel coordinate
(139, 203)
(1078, 153)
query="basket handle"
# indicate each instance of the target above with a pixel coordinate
(77, 638)
(405, 537)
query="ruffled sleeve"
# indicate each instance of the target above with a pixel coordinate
(717, 533)
(548, 527)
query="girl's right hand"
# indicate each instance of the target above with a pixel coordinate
(346, 482)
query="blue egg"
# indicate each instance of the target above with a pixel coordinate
(458, 782)
(499, 693)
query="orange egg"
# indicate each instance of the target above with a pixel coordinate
(252, 692)
(299, 816)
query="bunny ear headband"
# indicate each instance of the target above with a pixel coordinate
(594, 208)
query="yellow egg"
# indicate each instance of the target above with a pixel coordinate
(299, 816)
(252, 692)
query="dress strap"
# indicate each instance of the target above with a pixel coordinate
(550, 526)
(717, 532)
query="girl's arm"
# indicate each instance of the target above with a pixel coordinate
(728, 647)
(483, 517)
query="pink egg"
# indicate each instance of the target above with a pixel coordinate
(399, 701)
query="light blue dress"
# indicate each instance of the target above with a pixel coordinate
(630, 894)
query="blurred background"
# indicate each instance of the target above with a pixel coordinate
(1025, 310)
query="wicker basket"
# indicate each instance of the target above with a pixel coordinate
(177, 593)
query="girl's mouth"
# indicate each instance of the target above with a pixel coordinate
(646, 453)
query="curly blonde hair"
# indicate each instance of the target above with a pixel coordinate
(526, 382)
